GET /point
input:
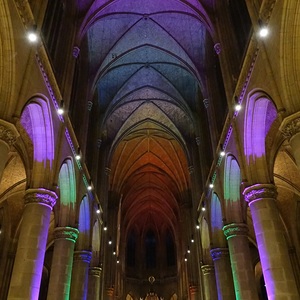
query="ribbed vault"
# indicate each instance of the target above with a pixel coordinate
(147, 70)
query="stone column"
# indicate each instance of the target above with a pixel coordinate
(28, 265)
(209, 282)
(194, 292)
(79, 284)
(8, 136)
(240, 258)
(110, 293)
(94, 283)
(223, 273)
(62, 262)
(273, 250)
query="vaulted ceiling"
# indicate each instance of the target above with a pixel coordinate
(147, 70)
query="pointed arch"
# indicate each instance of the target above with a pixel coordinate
(37, 122)
(67, 186)
(84, 225)
(205, 242)
(96, 244)
(260, 115)
(232, 181)
(216, 218)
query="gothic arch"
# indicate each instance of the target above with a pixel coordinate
(232, 181)
(205, 242)
(259, 117)
(216, 219)
(84, 225)
(67, 187)
(37, 122)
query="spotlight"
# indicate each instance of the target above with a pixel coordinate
(263, 29)
(211, 185)
(188, 250)
(60, 109)
(192, 239)
(78, 154)
(98, 210)
(238, 107)
(90, 185)
(185, 258)
(203, 207)
(197, 226)
(105, 227)
(118, 260)
(114, 251)
(32, 34)
(109, 241)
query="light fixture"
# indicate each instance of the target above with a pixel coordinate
(118, 260)
(197, 226)
(222, 152)
(211, 185)
(98, 210)
(109, 241)
(263, 29)
(32, 34)
(105, 226)
(203, 207)
(114, 251)
(185, 258)
(192, 239)
(78, 154)
(60, 109)
(237, 106)
(188, 250)
(90, 185)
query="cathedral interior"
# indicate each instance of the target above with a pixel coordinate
(149, 149)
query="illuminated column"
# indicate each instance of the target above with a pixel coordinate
(223, 273)
(28, 265)
(8, 136)
(240, 258)
(94, 283)
(209, 282)
(272, 247)
(62, 261)
(79, 284)
(193, 292)
(110, 293)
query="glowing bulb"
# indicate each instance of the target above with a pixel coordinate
(238, 107)
(211, 185)
(203, 208)
(60, 111)
(264, 31)
(197, 227)
(32, 37)
(98, 211)
(222, 153)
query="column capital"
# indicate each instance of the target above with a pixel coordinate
(207, 269)
(83, 255)
(235, 229)
(260, 191)
(193, 289)
(218, 253)
(8, 132)
(110, 291)
(40, 196)
(95, 271)
(290, 126)
(66, 233)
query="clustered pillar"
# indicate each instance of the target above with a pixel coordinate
(94, 283)
(223, 273)
(273, 251)
(28, 265)
(240, 258)
(209, 282)
(62, 262)
(80, 271)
